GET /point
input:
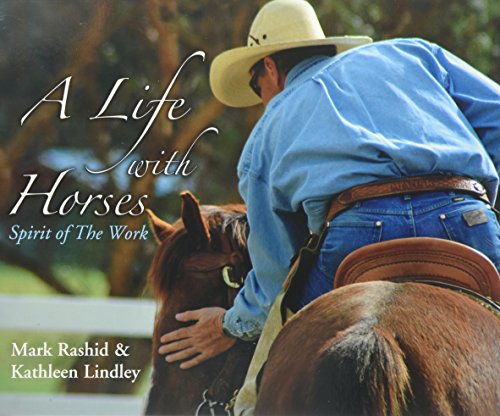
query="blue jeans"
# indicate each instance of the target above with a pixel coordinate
(435, 214)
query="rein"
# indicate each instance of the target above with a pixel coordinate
(218, 399)
(212, 406)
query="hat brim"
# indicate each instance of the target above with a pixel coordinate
(229, 72)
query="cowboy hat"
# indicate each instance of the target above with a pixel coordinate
(279, 25)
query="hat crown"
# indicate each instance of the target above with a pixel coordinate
(278, 26)
(281, 21)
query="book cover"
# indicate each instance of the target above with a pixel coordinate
(106, 111)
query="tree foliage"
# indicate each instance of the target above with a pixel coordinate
(97, 42)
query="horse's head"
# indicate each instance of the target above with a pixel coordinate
(202, 258)
(201, 261)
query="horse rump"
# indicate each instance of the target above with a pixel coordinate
(362, 372)
(335, 357)
(382, 348)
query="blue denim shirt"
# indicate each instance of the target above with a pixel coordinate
(390, 109)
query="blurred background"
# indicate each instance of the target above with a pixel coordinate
(100, 41)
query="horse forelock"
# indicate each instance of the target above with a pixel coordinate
(224, 222)
(228, 220)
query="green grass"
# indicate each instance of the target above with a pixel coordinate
(83, 282)
(17, 281)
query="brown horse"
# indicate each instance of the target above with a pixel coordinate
(383, 348)
(377, 348)
(201, 261)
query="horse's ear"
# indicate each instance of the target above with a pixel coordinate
(160, 228)
(195, 224)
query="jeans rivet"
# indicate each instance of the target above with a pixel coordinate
(378, 224)
(442, 216)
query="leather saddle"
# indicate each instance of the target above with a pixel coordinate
(421, 259)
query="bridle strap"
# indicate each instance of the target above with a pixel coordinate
(207, 262)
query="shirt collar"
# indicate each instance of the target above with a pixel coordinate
(300, 70)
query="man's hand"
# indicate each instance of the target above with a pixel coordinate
(198, 342)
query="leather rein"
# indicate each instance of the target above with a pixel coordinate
(218, 398)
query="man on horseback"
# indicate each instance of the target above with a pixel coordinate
(402, 135)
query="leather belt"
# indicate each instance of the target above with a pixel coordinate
(409, 185)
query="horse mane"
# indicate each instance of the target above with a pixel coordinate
(228, 220)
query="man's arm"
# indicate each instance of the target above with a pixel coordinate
(477, 96)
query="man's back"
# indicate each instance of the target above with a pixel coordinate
(391, 109)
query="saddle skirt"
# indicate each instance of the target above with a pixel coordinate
(421, 259)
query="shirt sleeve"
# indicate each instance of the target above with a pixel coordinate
(277, 230)
(273, 240)
(477, 96)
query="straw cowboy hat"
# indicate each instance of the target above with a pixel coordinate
(279, 25)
